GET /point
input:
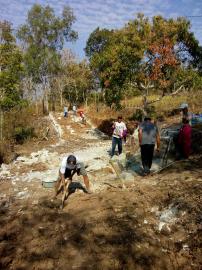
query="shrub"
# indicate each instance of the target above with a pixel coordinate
(137, 115)
(23, 133)
(151, 111)
(7, 153)
(106, 126)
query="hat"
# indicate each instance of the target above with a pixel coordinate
(183, 106)
(71, 162)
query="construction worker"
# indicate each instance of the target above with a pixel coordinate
(119, 130)
(148, 137)
(69, 166)
(185, 112)
(83, 117)
(74, 108)
(65, 111)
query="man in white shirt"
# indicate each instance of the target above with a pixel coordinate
(119, 130)
(74, 109)
(69, 166)
(65, 111)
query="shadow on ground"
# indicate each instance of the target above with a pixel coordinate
(110, 230)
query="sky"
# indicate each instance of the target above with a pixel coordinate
(91, 14)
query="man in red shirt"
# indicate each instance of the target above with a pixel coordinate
(82, 115)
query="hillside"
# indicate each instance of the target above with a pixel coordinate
(143, 223)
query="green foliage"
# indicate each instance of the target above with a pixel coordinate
(97, 41)
(78, 81)
(21, 134)
(44, 35)
(113, 96)
(137, 115)
(45, 29)
(142, 51)
(151, 112)
(11, 68)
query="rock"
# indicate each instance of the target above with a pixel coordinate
(121, 159)
(127, 176)
(165, 230)
(168, 215)
(145, 221)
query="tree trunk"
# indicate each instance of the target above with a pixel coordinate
(47, 104)
(36, 106)
(53, 103)
(61, 98)
(76, 94)
(43, 106)
(1, 124)
(145, 104)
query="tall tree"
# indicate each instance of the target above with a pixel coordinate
(43, 37)
(97, 41)
(78, 82)
(144, 50)
(11, 69)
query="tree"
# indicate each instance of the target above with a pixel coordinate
(97, 41)
(144, 53)
(43, 36)
(11, 70)
(78, 82)
(119, 60)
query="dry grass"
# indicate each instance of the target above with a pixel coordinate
(168, 103)
(12, 120)
(103, 113)
(17, 118)
(163, 107)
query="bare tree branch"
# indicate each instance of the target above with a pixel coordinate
(171, 94)
(146, 86)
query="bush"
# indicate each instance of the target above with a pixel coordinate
(151, 112)
(106, 126)
(137, 115)
(7, 153)
(23, 133)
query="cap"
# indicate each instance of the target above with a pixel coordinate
(71, 162)
(183, 106)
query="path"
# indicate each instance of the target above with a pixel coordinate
(26, 173)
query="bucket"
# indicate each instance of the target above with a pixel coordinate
(48, 184)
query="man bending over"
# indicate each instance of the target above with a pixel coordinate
(69, 167)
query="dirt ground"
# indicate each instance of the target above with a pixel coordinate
(152, 222)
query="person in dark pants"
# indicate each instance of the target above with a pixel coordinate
(65, 111)
(119, 129)
(148, 137)
(69, 166)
